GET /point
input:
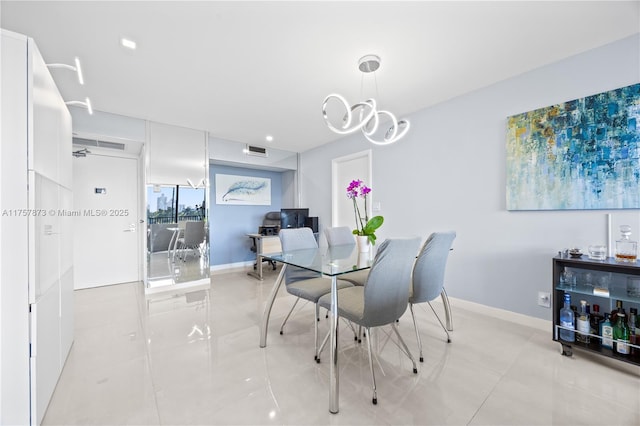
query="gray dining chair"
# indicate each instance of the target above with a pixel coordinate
(383, 298)
(428, 276)
(339, 236)
(192, 238)
(300, 282)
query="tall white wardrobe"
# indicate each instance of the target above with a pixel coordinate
(36, 258)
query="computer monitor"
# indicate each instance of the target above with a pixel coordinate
(293, 218)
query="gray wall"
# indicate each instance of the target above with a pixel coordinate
(449, 173)
(230, 224)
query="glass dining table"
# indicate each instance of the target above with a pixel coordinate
(330, 262)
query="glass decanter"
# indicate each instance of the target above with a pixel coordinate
(626, 250)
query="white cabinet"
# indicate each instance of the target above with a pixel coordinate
(36, 261)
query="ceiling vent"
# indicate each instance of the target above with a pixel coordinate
(258, 151)
(98, 144)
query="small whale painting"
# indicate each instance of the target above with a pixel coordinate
(231, 189)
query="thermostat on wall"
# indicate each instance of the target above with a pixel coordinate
(101, 190)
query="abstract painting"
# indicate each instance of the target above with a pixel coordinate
(249, 190)
(580, 154)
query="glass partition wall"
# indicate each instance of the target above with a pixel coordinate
(177, 245)
(174, 254)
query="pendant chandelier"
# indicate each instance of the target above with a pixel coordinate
(364, 115)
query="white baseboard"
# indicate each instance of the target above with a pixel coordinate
(229, 267)
(180, 287)
(503, 314)
(540, 324)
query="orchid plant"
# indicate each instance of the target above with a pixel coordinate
(364, 225)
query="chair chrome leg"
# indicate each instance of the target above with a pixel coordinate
(315, 332)
(447, 309)
(404, 345)
(326, 339)
(415, 327)
(322, 345)
(373, 376)
(355, 333)
(440, 321)
(288, 315)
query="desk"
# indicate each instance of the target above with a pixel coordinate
(264, 244)
(331, 262)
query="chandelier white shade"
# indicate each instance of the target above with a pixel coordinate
(364, 115)
(367, 110)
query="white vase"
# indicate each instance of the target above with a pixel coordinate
(364, 259)
(363, 243)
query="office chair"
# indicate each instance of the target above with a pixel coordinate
(428, 276)
(342, 235)
(383, 298)
(300, 282)
(193, 237)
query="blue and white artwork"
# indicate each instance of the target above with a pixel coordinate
(248, 190)
(580, 154)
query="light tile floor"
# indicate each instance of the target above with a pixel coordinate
(194, 358)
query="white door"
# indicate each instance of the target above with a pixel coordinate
(106, 240)
(344, 170)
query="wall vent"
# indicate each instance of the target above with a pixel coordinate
(98, 144)
(258, 151)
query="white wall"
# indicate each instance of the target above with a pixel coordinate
(230, 153)
(289, 189)
(36, 267)
(14, 297)
(176, 155)
(449, 173)
(103, 125)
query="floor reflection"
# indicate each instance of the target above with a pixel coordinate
(169, 268)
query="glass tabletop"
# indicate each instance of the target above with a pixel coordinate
(336, 260)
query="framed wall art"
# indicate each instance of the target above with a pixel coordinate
(248, 190)
(580, 154)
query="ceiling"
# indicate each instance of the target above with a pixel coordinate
(242, 70)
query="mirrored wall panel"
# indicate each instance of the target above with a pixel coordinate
(177, 208)
(177, 237)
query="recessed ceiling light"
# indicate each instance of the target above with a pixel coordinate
(129, 44)
(269, 138)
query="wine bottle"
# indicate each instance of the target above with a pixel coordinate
(583, 325)
(633, 337)
(614, 313)
(596, 319)
(621, 335)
